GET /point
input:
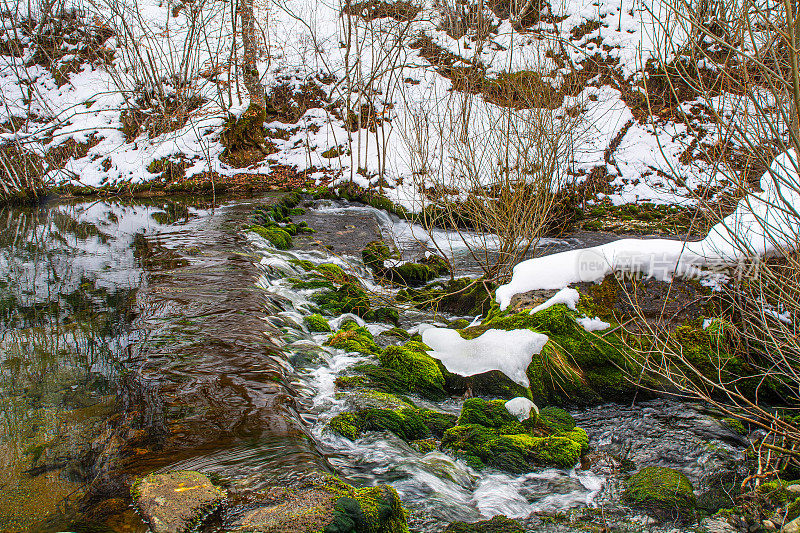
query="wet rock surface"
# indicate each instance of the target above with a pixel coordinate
(318, 502)
(175, 502)
(340, 232)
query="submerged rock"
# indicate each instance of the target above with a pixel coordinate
(663, 492)
(320, 503)
(174, 502)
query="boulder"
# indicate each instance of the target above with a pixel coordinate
(663, 492)
(175, 502)
(319, 503)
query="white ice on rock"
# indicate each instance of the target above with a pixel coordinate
(521, 408)
(762, 223)
(510, 352)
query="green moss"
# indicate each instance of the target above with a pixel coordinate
(408, 423)
(498, 524)
(579, 436)
(460, 296)
(375, 253)
(550, 451)
(333, 273)
(664, 492)
(424, 445)
(419, 370)
(276, 236)
(351, 382)
(735, 425)
(491, 414)
(369, 510)
(556, 419)
(353, 338)
(317, 323)
(793, 510)
(347, 425)
(575, 366)
(382, 378)
(348, 298)
(382, 314)
(488, 435)
(399, 333)
(517, 453)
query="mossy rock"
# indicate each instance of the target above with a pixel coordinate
(353, 338)
(497, 524)
(663, 492)
(488, 435)
(420, 372)
(460, 296)
(376, 253)
(276, 236)
(320, 503)
(174, 502)
(408, 423)
(317, 323)
(575, 367)
(489, 384)
(517, 453)
(348, 298)
(492, 414)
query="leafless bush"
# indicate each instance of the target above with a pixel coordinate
(741, 60)
(494, 169)
(23, 174)
(158, 68)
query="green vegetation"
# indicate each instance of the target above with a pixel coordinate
(419, 371)
(408, 423)
(460, 296)
(353, 338)
(376, 253)
(664, 492)
(487, 435)
(317, 323)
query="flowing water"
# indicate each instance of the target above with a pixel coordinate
(146, 336)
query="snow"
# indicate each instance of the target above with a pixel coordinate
(303, 42)
(566, 296)
(521, 408)
(510, 352)
(593, 324)
(762, 224)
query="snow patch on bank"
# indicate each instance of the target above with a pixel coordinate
(510, 352)
(762, 224)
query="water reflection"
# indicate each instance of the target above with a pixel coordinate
(131, 338)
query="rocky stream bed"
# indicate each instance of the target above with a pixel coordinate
(230, 369)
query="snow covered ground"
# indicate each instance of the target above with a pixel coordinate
(412, 126)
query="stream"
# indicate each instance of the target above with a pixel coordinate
(157, 335)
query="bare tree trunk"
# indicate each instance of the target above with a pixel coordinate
(250, 75)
